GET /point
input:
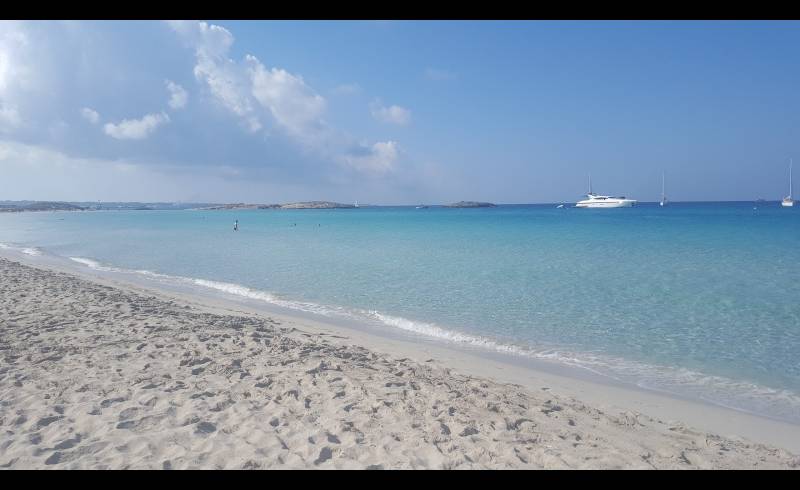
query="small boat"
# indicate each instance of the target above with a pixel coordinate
(663, 201)
(788, 202)
(356, 204)
(598, 201)
(422, 207)
(559, 206)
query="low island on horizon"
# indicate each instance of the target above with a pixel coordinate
(22, 206)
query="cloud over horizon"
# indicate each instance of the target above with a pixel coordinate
(379, 158)
(82, 89)
(136, 129)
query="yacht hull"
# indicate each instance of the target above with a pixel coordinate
(621, 203)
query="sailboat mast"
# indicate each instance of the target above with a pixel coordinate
(590, 183)
(663, 194)
(790, 178)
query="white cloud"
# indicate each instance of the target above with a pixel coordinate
(439, 75)
(259, 95)
(227, 81)
(14, 72)
(287, 97)
(209, 39)
(254, 92)
(90, 115)
(251, 90)
(136, 128)
(178, 95)
(379, 158)
(13, 44)
(393, 114)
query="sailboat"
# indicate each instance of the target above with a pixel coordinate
(788, 201)
(356, 204)
(663, 195)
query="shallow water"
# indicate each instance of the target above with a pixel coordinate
(696, 299)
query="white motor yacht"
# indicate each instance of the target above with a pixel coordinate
(598, 201)
(788, 201)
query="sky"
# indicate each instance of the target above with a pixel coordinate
(397, 112)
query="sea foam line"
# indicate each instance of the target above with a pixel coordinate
(26, 250)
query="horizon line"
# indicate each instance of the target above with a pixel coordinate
(366, 204)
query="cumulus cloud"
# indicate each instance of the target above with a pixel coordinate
(292, 103)
(14, 72)
(227, 81)
(177, 95)
(53, 73)
(392, 114)
(250, 89)
(136, 129)
(13, 43)
(260, 95)
(90, 115)
(379, 158)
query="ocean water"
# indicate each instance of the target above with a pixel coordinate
(697, 299)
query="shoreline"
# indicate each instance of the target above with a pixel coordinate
(519, 366)
(635, 407)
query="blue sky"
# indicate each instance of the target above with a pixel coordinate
(397, 112)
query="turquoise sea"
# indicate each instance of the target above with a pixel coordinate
(697, 299)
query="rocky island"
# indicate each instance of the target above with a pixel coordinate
(293, 205)
(39, 206)
(316, 205)
(239, 206)
(470, 204)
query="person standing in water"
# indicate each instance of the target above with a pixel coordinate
(236, 225)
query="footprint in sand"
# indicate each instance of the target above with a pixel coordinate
(205, 428)
(324, 455)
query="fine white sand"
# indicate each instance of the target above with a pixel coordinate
(94, 376)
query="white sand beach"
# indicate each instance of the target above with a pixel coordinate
(101, 375)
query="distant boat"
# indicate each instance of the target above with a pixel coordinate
(788, 201)
(663, 195)
(559, 206)
(598, 201)
(422, 207)
(356, 204)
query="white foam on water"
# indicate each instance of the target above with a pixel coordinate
(90, 263)
(26, 250)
